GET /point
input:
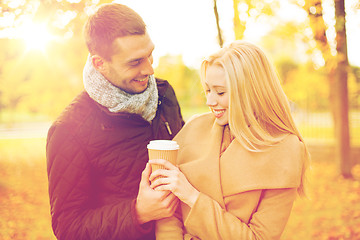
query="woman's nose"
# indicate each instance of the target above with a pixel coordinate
(210, 100)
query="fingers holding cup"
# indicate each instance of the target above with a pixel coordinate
(162, 149)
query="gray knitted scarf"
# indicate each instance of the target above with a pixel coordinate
(117, 100)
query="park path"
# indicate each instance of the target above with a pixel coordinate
(24, 130)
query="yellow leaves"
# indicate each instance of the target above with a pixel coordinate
(25, 210)
(29, 80)
(356, 173)
(333, 211)
(308, 89)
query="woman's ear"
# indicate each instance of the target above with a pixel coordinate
(98, 63)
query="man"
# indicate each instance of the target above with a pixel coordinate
(96, 149)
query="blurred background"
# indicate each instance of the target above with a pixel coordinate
(314, 45)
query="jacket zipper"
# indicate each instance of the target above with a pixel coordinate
(167, 125)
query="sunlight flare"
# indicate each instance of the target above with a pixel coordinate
(36, 36)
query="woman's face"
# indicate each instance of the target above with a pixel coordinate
(217, 95)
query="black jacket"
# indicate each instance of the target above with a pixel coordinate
(94, 163)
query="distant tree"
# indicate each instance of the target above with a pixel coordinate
(341, 97)
(48, 80)
(354, 95)
(184, 79)
(250, 9)
(288, 48)
(220, 37)
(337, 67)
(239, 27)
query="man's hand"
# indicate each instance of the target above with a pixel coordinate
(152, 204)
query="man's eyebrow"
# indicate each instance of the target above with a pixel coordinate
(135, 60)
(141, 58)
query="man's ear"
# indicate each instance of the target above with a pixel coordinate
(98, 63)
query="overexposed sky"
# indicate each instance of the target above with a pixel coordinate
(184, 27)
(188, 27)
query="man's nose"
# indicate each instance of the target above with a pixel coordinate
(147, 68)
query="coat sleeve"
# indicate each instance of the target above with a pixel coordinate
(73, 211)
(170, 228)
(208, 220)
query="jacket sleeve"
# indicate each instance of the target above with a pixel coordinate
(207, 220)
(73, 211)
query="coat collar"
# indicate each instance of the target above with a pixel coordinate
(279, 166)
(238, 170)
(203, 171)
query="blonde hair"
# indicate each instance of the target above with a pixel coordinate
(256, 99)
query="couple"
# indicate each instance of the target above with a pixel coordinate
(239, 167)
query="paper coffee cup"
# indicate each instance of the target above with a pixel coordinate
(162, 149)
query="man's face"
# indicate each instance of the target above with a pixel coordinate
(131, 64)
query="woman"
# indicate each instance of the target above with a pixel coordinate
(244, 162)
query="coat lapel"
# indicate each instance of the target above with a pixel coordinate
(277, 167)
(199, 159)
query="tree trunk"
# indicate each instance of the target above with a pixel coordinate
(341, 95)
(336, 69)
(220, 39)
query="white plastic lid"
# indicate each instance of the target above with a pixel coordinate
(163, 145)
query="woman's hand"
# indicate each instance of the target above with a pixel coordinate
(172, 179)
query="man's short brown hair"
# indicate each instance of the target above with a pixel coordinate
(109, 22)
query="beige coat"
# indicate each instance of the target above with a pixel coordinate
(244, 195)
